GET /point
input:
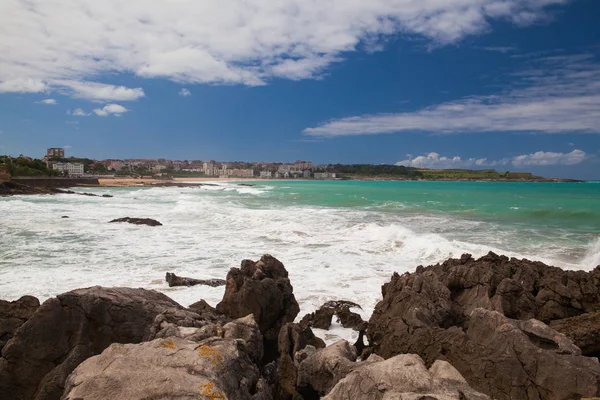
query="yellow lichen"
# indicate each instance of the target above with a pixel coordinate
(168, 344)
(212, 355)
(208, 390)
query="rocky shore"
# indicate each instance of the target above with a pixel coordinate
(464, 329)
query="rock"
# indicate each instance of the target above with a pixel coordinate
(583, 330)
(263, 289)
(444, 312)
(65, 216)
(403, 377)
(293, 338)
(201, 307)
(170, 368)
(138, 221)
(246, 329)
(174, 280)
(107, 196)
(321, 371)
(67, 329)
(321, 319)
(13, 314)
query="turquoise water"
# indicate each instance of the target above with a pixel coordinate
(338, 239)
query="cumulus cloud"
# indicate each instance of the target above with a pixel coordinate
(185, 92)
(45, 45)
(48, 101)
(110, 109)
(553, 95)
(434, 160)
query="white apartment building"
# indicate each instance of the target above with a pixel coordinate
(72, 169)
(266, 174)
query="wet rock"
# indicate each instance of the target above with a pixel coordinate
(174, 280)
(67, 329)
(138, 221)
(263, 289)
(583, 330)
(350, 319)
(65, 216)
(321, 318)
(170, 368)
(13, 314)
(403, 377)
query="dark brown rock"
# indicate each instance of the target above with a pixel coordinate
(583, 330)
(13, 314)
(67, 329)
(138, 221)
(263, 289)
(439, 312)
(174, 280)
(321, 319)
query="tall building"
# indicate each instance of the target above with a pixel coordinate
(55, 152)
(73, 169)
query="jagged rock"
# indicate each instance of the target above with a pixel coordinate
(67, 329)
(320, 372)
(403, 377)
(138, 221)
(246, 329)
(293, 338)
(201, 307)
(583, 330)
(174, 280)
(263, 289)
(321, 318)
(13, 314)
(170, 368)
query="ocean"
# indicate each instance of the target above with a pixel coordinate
(337, 239)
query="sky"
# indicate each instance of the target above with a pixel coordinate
(512, 85)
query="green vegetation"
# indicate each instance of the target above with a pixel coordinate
(23, 166)
(484, 174)
(375, 170)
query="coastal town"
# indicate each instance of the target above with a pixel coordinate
(56, 160)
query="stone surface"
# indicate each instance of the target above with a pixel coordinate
(138, 221)
(439, 312)
(170, 368)
(263, 289)
(13, 314)
(174, 280)
(583, 330)
(320, 372)
(321, 318)
(403, 377)
(67, 329)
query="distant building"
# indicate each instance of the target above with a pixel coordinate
(324, 175)
(73, 169)
(266, 174)
(55, 152)
(306, 174)
(302, 165)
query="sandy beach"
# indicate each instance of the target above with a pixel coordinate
(128, 182)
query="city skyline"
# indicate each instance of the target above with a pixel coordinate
(509, 85)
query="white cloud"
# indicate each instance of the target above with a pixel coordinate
(433, 160)
(48, 45)
(554, 95)
(78, 112)
(49, 101)
(499, 49)
(114, 109)
(67, 147)
(99, 91)
(185, 92)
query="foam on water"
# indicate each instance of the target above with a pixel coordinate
(330, 253)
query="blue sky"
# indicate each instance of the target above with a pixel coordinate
(505, 84)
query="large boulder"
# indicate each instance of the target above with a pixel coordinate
(476, 315)
(263, 289)
(13, 314)
(67, 329)
(403, 377)
(174, 280)
(170, 368)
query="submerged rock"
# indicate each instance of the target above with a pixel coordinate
(174, 280)
(138, 221)
(67, 329)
